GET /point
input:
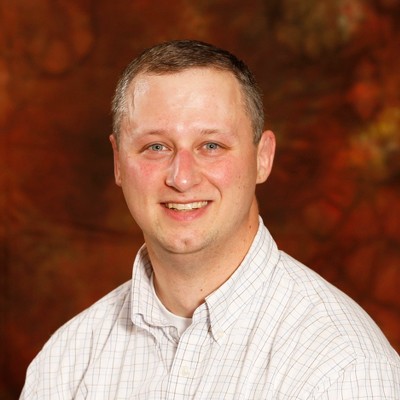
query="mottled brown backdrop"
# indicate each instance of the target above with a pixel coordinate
(330, 71)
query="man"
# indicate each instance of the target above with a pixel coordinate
(214, 310)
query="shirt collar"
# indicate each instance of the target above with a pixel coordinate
(222, 307)
(144, 308)
(225, 305)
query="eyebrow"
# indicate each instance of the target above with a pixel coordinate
(150, 132)
(212, 132)
(204, 132)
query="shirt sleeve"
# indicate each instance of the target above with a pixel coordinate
(367, 380)
(55, 372)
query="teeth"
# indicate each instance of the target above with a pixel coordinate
(186, 206)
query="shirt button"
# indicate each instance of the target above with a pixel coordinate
(184, 371)
(220, 334)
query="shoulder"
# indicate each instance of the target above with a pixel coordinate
(327, 330)
(65, 356)
(302, 306)
(108, 308)
(367, 378)
(96, 320)
(75, 338)
(332, 308)
(321, 341)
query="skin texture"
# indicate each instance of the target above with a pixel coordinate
(188, 169)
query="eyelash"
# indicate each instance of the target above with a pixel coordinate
(215, 146)
(159, 147)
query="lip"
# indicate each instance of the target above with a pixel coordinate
(186, 206)
(185, 211)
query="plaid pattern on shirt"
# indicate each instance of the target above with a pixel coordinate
(274, 330)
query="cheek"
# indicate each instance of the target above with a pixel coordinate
(135, 170)
(139, 186)
(235, 174)
(221, 173)
(138, 179)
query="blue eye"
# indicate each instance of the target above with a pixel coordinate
(156, 147)
(212, 146)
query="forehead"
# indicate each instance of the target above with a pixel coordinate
(194, 99)
(215, 81)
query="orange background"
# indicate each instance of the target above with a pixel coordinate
(330, 71)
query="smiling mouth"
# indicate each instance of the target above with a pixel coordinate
(186, 206)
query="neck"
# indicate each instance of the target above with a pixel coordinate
(183, 281)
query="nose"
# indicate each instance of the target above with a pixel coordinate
(183, 172)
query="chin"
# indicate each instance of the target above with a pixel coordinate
(188, 245)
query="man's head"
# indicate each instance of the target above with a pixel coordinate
(186, 159)
(180, 55)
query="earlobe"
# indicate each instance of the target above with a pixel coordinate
(117, 171)
(265, 156)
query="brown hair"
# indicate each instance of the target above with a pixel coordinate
(178, 55)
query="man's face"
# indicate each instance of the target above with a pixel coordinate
(187, 163)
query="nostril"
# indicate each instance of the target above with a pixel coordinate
(183, 172)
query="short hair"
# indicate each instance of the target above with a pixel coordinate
(179, 55)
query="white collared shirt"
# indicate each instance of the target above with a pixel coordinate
(180, 323)
(274, 330)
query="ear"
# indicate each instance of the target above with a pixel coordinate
(117, 169)
(265, 155)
